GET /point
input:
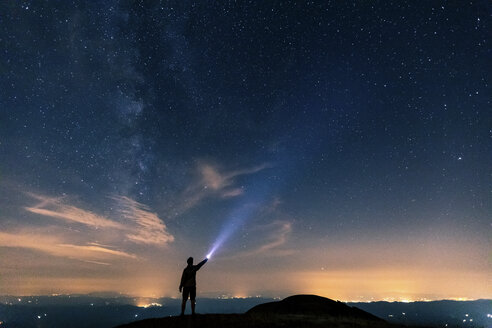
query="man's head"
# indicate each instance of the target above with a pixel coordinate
(190, 261)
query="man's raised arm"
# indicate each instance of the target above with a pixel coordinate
(199, 265)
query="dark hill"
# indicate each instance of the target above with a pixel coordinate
(307, 311)
(312, 305)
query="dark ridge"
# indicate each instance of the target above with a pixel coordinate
(312, 305)
(308, 311)
(257, 321)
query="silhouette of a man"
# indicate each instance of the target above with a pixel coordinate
(188, 284)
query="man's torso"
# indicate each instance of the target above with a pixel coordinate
(189, 276)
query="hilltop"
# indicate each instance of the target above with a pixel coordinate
(294, 311)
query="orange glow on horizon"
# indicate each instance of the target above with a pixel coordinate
(394, 285)
(388, 284)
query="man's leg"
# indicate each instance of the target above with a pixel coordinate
(193, 299)
(193, 307)
(186, 293)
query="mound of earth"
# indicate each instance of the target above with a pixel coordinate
(312, 305)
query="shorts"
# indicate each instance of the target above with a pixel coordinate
(189, 291)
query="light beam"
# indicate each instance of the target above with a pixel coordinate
(236, 220)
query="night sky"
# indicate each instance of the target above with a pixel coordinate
(340, 148)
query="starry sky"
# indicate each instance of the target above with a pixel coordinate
(340, 148)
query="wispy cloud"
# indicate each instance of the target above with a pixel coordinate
(97, 262)
(279, 232)
(148, 228)
(232, 192)
(141, 226)
(220, 181)
(57, 209)
(55, 245)
(93, 248)
(274, 234)
(214, 182)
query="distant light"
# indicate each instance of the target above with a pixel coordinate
(150, 305)
(466, 315)
(39, 317)
(471, 320)
(136, 315)
(464, 320)
(489, 315)
(19, 299)
(403, 313)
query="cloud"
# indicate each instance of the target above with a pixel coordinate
(232, 192)
(219, 181)
(211, 178)
(94, 248)
(213, 182)
(142, 226)
(149, 229)
(279, 232)
(96, 262)
(54, 245)
(138, 225)
(275, 234)
(55, 208)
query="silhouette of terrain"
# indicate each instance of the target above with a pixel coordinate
(103, 310)
(294, 311)
(312, 305)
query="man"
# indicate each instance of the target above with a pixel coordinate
(188, 284)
